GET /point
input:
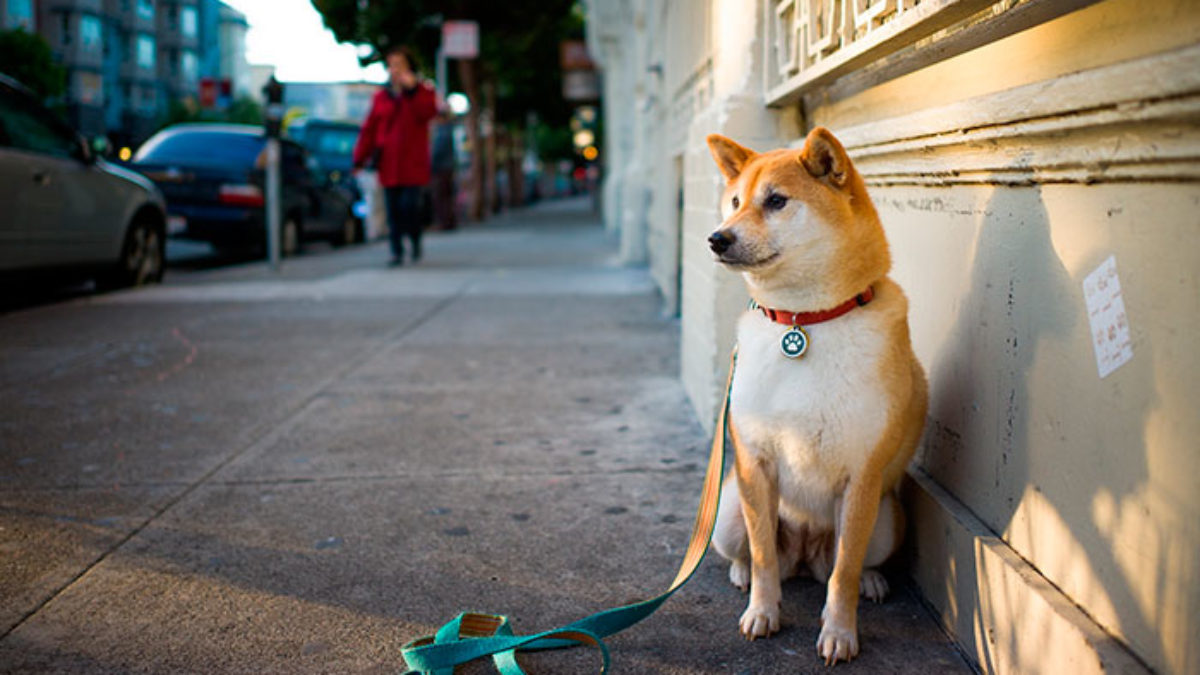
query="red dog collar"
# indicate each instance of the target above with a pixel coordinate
(809, 318)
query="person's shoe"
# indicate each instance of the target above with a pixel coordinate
(396, 262)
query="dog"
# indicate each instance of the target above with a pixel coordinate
(828, 400)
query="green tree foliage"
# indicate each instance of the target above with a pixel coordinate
(27, 58)
(244, 110)
(519, 43)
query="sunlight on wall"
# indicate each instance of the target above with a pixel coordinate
(733, 33)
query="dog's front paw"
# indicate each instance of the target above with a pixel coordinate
(838, 639)
(837, 643)
(739, 575)
(760, 621)
(873, 586)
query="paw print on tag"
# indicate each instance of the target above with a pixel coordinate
(794, 343)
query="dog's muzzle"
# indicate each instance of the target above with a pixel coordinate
(720, 241)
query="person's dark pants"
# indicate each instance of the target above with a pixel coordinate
(404, 218)
(443, 199)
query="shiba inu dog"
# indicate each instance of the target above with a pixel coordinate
(828, 400)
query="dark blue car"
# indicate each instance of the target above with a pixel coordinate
(212, 177)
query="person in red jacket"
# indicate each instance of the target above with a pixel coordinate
(395, 138)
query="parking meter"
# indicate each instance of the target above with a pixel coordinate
(273, 91)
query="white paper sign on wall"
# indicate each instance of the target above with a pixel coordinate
(1106, 316)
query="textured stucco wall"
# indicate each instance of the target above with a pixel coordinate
(1005, 176)
(1006, 170)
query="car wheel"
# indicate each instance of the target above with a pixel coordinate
(289, 237)
(143, 256)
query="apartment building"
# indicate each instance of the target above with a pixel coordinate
(1036, 164)
(126, 60)
(18, 14)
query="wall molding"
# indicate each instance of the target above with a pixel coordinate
(1135, 121)
(813, 43)
(999, 604)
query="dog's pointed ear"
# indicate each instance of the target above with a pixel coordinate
(824, 157)
(729, 156)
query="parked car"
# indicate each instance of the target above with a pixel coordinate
(330, 145)
(213, 180)
(64, 207)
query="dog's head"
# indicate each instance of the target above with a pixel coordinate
(798, 218)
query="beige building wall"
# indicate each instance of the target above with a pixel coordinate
(1017, 152)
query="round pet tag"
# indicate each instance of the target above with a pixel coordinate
(794, 342)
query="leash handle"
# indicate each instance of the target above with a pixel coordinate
(471, 636)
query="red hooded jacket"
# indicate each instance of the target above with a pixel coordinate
(398, 129)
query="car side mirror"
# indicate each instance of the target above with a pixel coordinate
(100, 146)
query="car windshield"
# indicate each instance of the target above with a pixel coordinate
(335, 141)
(335, 147)
(205, 148)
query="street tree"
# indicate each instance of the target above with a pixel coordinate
(516, 78)
(27, 58)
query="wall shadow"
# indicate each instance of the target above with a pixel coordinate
(1004, 443)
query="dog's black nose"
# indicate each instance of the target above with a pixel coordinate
(720, 241)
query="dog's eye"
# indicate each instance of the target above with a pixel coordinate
(736, 202)
(774, 202)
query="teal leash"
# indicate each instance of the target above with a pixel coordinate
(471, 635)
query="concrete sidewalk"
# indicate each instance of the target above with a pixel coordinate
(247, 472)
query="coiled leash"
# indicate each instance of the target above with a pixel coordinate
(471, 636)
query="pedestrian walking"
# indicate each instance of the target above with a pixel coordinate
(395, 140)
(443, 161)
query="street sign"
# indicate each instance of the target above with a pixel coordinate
(573, 55)
(208, 93)
(581, 85)
(460, 39)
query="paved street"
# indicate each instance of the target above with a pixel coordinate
(246, 472)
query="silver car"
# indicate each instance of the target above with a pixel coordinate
(62, 206)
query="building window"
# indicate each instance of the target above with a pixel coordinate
(145, 9)
(64, 28)
(90, 30)
(89, 88)
(145, 51)
(19, 14)
(188, 22)
(189, 66)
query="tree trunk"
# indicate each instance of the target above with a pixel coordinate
(516, 176)
(468, 72)
(489, 141)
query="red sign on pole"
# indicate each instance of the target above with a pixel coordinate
(460, 39)
(208, 93)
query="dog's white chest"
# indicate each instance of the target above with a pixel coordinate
(818, 416)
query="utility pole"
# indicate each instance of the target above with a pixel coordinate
(440, 74)
(274, 127)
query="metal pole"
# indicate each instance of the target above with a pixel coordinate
(274, 128)
(440, 74)
(273, 210)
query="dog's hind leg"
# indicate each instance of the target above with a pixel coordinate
(729, 535)
(885, 539)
